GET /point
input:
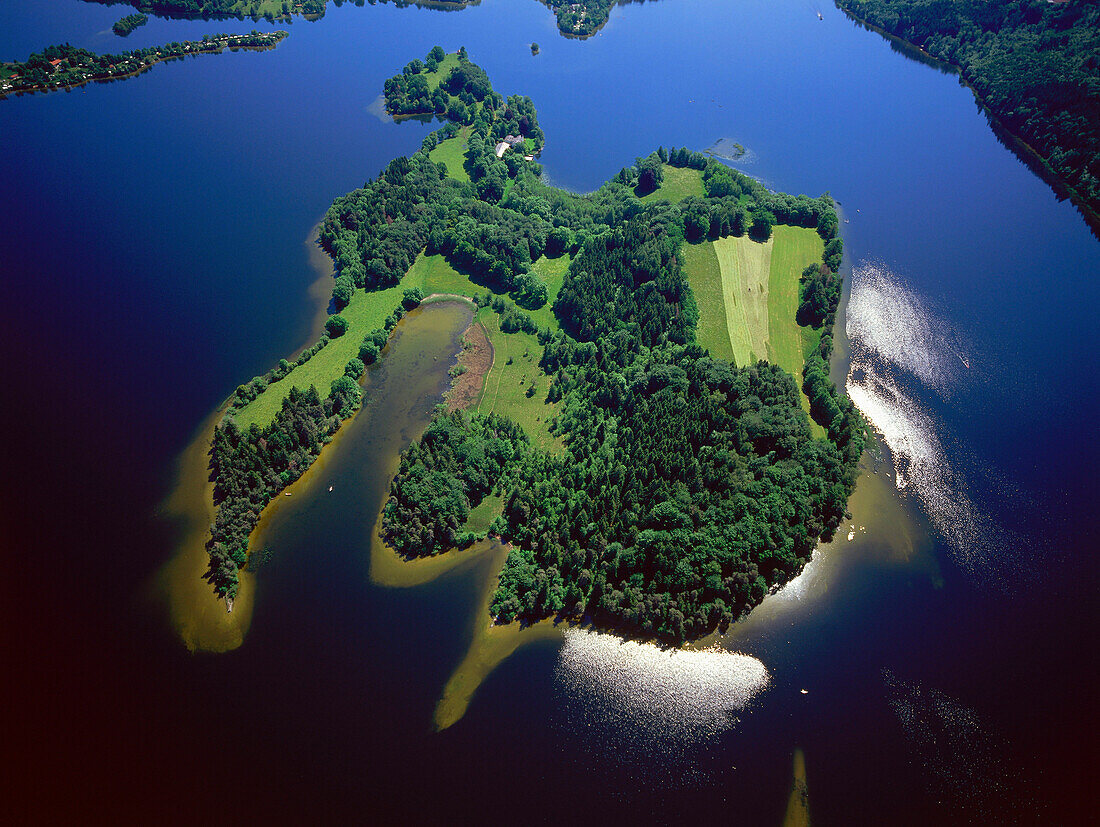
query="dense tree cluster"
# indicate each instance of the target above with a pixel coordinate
(128, 23)
(689, 488)
(1034, 64)
(820, 293)
(456, 95)
(66, 65)
(630, 279)
(455, 464)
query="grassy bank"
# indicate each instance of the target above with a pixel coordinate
(432, 274)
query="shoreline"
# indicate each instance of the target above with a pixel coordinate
(1015, 143)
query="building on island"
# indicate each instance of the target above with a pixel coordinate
(509, 142)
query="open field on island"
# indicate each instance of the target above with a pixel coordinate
(748, 295)
(515, 371)
(679, 183)
(432, 274)
(452, 152)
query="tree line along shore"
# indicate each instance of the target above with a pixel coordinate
(582, 18)
(641, 481)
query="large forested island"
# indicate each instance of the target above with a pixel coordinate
(58, 67)
(1034, 65)
(649, 471)
(581, 18)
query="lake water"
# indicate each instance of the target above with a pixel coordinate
(152, 254)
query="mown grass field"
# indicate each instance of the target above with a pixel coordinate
(452, 152)
(368, 311)
(794, 248)
(515, 369)
(745, 267)
(748, 296)
(679, 183)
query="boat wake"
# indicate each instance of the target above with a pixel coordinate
(901, 350)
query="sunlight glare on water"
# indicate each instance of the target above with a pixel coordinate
(894, 335)
(679, 694)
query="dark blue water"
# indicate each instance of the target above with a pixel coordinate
(152, 259)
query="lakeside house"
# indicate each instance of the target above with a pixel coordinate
(509, 142)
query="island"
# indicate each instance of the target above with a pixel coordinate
(657, 440)
(1034, 67)
(66, 66)
(575, 19)
(128, 23)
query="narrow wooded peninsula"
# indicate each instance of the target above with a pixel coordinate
(66, 66)
(1034, 67)
(642, 481)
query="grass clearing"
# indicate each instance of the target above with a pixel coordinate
(515, 370)
(679, 183)
(452, 152)
(435, 78)
(700, 263)
(552, 271)
(484, 513)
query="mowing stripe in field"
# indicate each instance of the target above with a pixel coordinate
(745, 265)
(795, 248)
(700, 264)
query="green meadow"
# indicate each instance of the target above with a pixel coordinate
(433, 274)
(452, 152)
(515, 386)
(678, 184)
(748, 295)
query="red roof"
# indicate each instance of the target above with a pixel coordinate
(55, 62)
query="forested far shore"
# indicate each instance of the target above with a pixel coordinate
(1034, 65)
(576, 18)
(63, 66)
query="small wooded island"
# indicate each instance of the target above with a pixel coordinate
(128, 23)
(643, 481)
(65, 66)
